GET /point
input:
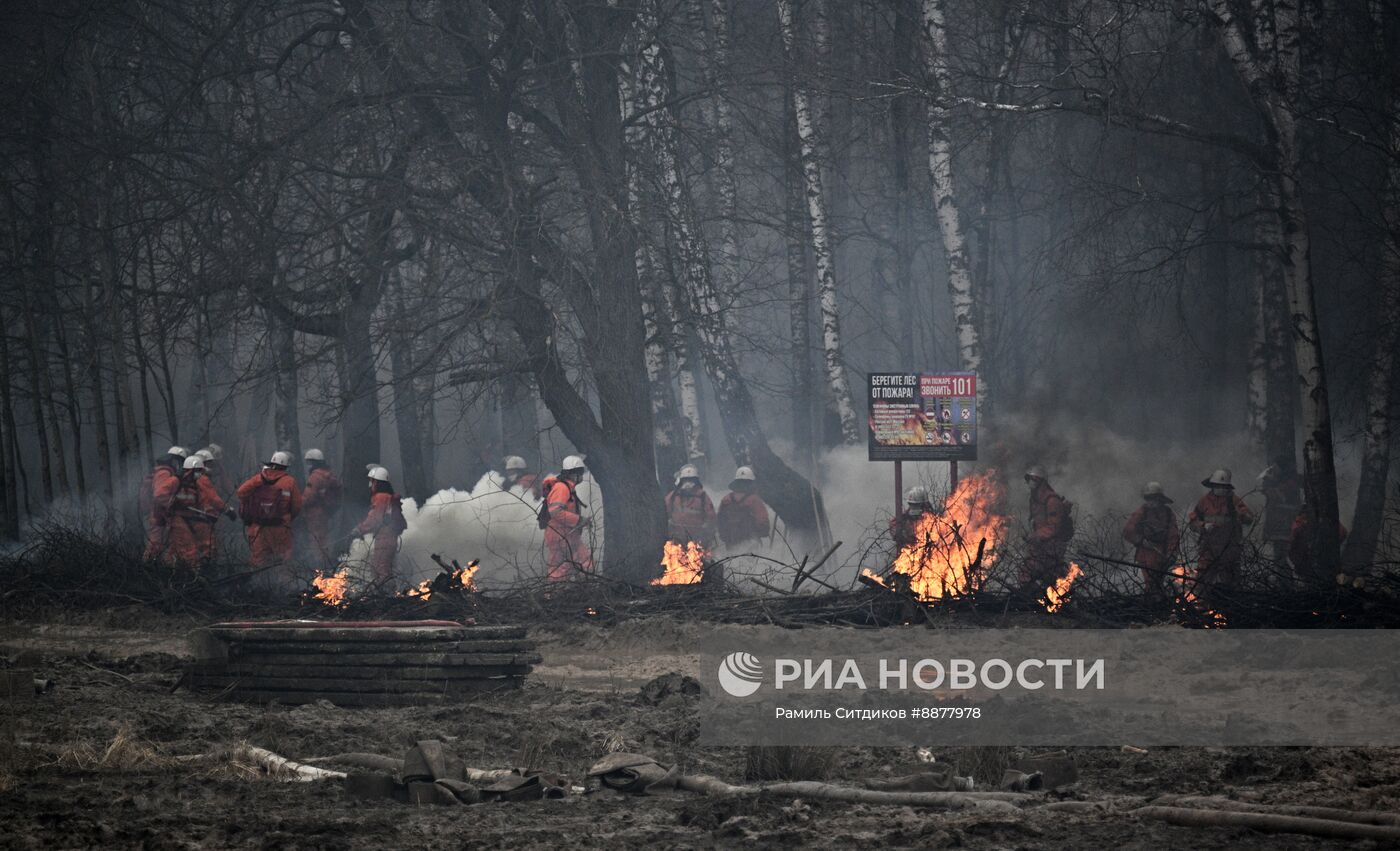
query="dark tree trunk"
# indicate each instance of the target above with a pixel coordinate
(407, 406)
(9, 521)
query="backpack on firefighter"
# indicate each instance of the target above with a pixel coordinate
(542, 516)
(394, 520)
(267, 505)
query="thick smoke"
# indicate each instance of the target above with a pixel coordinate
(489, 522)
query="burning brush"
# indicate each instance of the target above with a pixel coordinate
(954, 547)
(683, 565)
(334, 589)
(453, 578)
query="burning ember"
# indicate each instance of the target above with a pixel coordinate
(1187, 596)
(459, 577)
(955, 547)
(332, 590)
(684, 565)
(1055, 594)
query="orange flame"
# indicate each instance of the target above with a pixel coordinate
(1186, 595)
(684, 565)
(462, 576)
(942, 561)
(332, 590)
(1055, 594)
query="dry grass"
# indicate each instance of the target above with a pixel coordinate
(126, 752)
(783, 762)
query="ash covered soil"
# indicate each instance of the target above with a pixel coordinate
(65, 785)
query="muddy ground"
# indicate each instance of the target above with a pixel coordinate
(113, 675)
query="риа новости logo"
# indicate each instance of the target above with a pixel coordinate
(740, 674)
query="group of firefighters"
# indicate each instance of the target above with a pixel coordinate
(187, 493)
(691, 516)
(1218, 519)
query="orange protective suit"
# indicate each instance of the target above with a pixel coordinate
(386, 539)
(156, 503)
(1300, 544)
(211, 505)
(565, 547)
(1219, 520)
(319, 504)
(183, 522)
(1153, 531)
(1049, 538)
(690, 517)
(742, 517)
(269, 530)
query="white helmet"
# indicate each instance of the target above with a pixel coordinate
(178, 452)
(571, 463)
(194, 462)
(689, 471)
(515, 462)
(1219, 479)
(1153, 490)
(280, 459)
(917, 495)
(744, 474)
(216, 452)
(314, 455)
(203, 454)
(1035, 471)
(379, 474)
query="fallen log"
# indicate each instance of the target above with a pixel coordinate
(1308, 811)
(286, 768)
(1002, 801)
(1268, 823)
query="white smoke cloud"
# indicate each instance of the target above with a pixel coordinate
(489, 523)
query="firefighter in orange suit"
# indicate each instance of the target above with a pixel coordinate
(566, 549)
(268, 503)
(1219, 520)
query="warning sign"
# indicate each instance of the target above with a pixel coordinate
(923, 416)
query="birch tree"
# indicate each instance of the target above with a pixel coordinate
(1267, 59)
(837, 385)
(940, 167)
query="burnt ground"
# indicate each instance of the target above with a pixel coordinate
(113, 675)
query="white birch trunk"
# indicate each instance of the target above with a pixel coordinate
(652, 92)
(1274, 90)
(950, 227)
(657, 320)
(821, 242)
(718, 78)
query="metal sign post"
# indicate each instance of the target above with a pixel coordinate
(898, 487)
